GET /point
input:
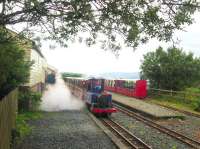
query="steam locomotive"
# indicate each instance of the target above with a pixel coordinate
(97, 100)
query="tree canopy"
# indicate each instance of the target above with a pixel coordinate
(135, 21)
(170, 69)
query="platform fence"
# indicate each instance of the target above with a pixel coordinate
(182, 95)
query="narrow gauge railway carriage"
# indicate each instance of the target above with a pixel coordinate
(137, 89)
(98, 101)
(76, 86)
(79, 82)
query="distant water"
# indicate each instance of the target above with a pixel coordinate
(57, 97)
(119, 75)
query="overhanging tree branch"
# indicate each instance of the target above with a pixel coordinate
(136, 21)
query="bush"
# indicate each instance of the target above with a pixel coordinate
(191, 94)
(22, 127)
(29, 100)
(196, 105)
(193, 98)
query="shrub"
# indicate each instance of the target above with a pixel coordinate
(14, 69)
(192, 93)
(29, 100)
(22, 127)
(197, 106)
(193, 97)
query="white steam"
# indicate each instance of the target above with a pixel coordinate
(57, 97)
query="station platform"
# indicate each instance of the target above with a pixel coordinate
(148, 109)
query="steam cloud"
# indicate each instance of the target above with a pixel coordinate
(58, 97)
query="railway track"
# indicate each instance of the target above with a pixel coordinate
(130, 140)
(190, 142)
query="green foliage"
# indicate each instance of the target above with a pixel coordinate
(197, 106)
(21, 122)
(193, 90)
(171, 69)
(193, 94)
(172, 101)
(14, 69)
(71, 74)
(189, 99)
(29, 100)
(135, 21)
(23, 128)
(174, 147)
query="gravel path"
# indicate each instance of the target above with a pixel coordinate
(149, 135)
(66, 130)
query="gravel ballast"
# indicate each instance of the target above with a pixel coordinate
(66, 130)
(149, 135)
(190, 126)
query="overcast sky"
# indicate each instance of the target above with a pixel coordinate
(80, 58)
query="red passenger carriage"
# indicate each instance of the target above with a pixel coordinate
(137, 89)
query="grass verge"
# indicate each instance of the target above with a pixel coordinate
(173, 102)
(22, 127)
